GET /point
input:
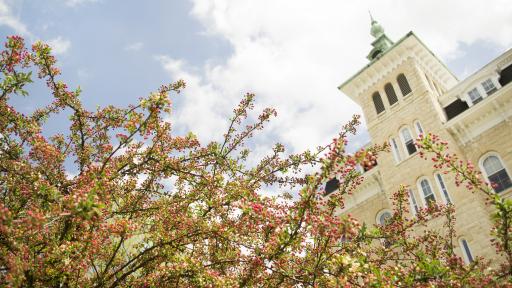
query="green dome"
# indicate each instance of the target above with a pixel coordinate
(376, 29)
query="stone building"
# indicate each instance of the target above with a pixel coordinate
(406, 90)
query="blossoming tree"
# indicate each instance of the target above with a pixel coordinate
(148, 208)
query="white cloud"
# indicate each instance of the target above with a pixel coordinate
(75, 3)
(59, 45)
(7, 18)
(293, 55)
(136, 46)
(203, 104)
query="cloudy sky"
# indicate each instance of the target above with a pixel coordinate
(291, 53)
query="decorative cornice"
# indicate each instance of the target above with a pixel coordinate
(481, 117)
(407, 47)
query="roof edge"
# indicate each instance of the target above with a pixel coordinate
(410, 33)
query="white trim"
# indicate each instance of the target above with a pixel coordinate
(493, 83)
(482, 168)
(445, 201)
(422, 193)
(412, 199)
(403, 141)
(395, 150)
(480, 92)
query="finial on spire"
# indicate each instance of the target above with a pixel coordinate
(371, 17)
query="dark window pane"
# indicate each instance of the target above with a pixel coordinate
(455, 108)
(390, 92)
(411, 148)
(403, 84)
(500, 180)
(331, 186)
(506, 76)
(377, 101)
(466, 251)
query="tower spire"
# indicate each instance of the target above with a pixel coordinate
(376, 29)
(381, 42)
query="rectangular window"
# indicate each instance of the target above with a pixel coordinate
(414, 205)
(419, 129)
(475, 96)
(443, 188)
(411, 148)
(408, 141)
(467, 252)
(428, 194)
(394, 148)
(430, 198)
(489, 87)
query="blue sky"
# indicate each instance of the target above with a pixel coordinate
(292, 54)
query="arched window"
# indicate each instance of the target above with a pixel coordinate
(375, 54)
(403, 84)
(428, 194)
(418, 127)
(412, 200)
(377, 101)
(443, 189)
(395, 150)
(408, 141)
(496, 173)
(383, 217)
(466, 252)
(390, 92)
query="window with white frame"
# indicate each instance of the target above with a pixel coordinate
(412, 200)
(443, 189)
(383, 217)
(474, 96)
(489, 87)
(496, 173)
(418, 127)
(408, 141)
(395, 150)
(466, 252)
(428, 193)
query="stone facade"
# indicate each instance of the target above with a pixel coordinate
(475, 128)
